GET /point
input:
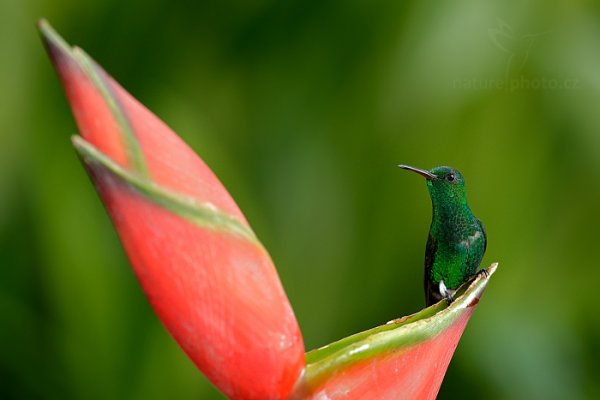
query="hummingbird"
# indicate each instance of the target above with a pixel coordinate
(457, 239)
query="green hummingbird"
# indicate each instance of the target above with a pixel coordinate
(457, 239)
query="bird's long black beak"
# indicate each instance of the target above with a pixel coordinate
(428, 175)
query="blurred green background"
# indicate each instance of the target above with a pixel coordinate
(303, 109)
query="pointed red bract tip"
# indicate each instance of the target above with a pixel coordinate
(94, 118)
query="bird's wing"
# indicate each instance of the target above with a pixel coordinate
(431, 293)
(473, 260)
(484, 234)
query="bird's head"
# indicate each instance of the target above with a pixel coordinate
(445, 184)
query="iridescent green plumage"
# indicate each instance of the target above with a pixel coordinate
(457, 239)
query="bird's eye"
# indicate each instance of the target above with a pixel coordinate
(450, 178)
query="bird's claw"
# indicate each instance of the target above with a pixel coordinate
(483, 272)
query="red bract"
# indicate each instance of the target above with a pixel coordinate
(402, 374)
(204, 272)
(404, 359)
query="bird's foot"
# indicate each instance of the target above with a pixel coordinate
(483, 272)
(446, 293)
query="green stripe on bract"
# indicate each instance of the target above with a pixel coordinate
(133, 150)
(319, 354)
(203, 214)
(392, 337)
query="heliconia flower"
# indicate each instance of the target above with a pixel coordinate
(209, 279)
